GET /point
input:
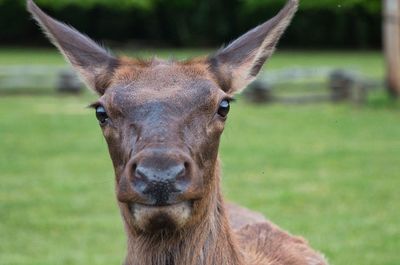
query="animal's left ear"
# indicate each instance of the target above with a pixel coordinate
(238, 64)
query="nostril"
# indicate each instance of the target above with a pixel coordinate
(186, 165)
(140, 173)
(182, 171)
(134, 166)
(139, 178)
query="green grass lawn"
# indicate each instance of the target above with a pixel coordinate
(327, 172)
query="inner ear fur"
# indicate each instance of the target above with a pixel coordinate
(238, 64)
(94, 63)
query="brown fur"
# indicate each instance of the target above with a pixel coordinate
(164, 115)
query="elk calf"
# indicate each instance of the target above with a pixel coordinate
(162, 121)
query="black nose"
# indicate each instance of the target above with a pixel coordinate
(163, 175)
(159, 184)
(160, 178)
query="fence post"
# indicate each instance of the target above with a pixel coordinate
(391, 31)
(68, 82)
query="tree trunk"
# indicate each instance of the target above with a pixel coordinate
(392, 44)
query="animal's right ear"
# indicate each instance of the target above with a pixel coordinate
(92, 62)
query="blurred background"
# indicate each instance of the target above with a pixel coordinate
(314, 144)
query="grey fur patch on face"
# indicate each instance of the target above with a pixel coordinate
(161, 218)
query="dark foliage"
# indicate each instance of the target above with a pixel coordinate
(198, 23)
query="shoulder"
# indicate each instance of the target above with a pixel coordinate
(267, 244)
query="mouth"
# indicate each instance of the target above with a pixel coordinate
(168, 217)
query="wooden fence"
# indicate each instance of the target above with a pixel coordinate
(311, 85)
(293, 85)
(38, 78)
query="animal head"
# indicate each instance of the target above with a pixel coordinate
(163, 120)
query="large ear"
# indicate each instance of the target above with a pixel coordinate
(92, 62)
(238, 64)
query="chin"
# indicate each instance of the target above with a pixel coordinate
(154, 219)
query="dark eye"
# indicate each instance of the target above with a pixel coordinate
(101, 115)
(224, 107)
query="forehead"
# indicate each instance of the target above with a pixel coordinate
(179, 83)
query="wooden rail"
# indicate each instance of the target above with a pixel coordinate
(312, 85)
(37, 78)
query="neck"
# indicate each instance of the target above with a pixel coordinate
(207, 242)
